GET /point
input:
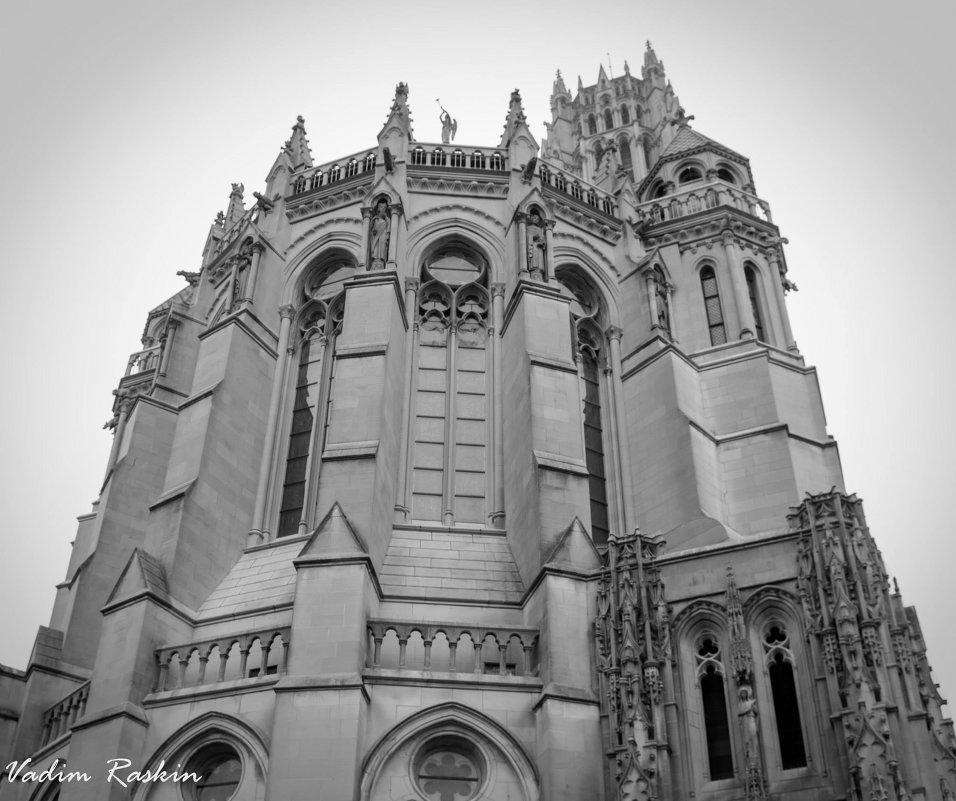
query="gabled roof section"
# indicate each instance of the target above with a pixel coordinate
(688, 140)
(516, 124)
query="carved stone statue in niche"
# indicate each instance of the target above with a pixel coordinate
(378, 236)
(537, 245)
(747, 713)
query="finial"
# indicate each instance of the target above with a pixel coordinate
(649, 45)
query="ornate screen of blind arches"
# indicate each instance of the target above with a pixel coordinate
(450, 470)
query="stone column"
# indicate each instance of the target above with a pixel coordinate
(614, 338)
(257, 250)
(411, 296)
(171, 326)
(256, 533)
(776, 280)
(364, 263)
(394, 212)
(549, 249)
(522, 244)
(745, 315)
(497, 406)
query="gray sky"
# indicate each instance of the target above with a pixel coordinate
(124, 124)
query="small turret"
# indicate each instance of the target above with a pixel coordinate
(298, 146)
(560, 96)
(237, 206)
(653, 70)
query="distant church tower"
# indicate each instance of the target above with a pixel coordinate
(480, 473)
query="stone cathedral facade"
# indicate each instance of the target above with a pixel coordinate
(480, 472)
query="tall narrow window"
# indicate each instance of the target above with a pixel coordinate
(715, 315)
(592, 125)
(710, 677)
(753, 293)
(608, 119)
(319, 323)
(625, 115)
(785, 705)
(624, 150)
(450, 426)
(586, 343)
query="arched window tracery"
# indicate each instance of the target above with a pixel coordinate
(318, 324)
(710, 679)
(780, 662)
(451, 431)
(588, 352)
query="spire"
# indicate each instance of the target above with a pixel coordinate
(602, 76)
(399, 115)
(298, 145)
(515, 120)
(650, 57)
(559, 88)
(580, 85)
(237, 206)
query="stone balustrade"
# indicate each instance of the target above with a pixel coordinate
(313, 178)
(458, 157)
(576, 188)
(453, 648)
(250, 655)
(702, 197)
(143, 361)
(59, 718)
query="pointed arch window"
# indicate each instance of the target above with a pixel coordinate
(608, 119)
(753, 293)
(451, 424)
(592, 125)
(710, 678)
(783, 688)
(588, 353)
(319, 323)
(624, 149)
(715, 315)
(625, 115)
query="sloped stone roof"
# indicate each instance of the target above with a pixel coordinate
(261, 579)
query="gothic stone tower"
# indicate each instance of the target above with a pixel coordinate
(481, 473)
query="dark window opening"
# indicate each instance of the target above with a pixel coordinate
(719, 755)
(754, 303)
(594, 449)
(715, 316)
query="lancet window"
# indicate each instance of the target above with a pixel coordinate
(451, 425)
(710, 679)
(592, 125)
(624, 150)
(318, 324)
(753, 292)
(608, 119)
(779, 660)
(625, 115)
(587, 342)
(715, 315)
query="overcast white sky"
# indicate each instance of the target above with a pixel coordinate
(124, 124)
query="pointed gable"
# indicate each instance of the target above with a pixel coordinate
(143, 573)
(334, 535)
(574, 549)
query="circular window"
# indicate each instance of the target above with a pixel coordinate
(219, 769)
(448, 769)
